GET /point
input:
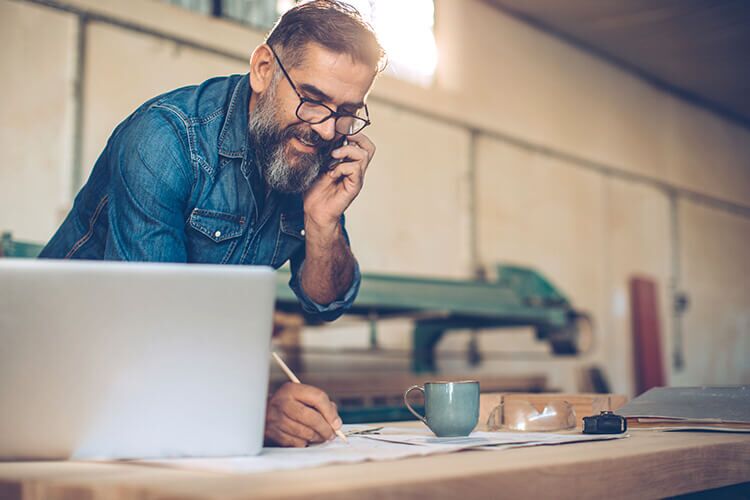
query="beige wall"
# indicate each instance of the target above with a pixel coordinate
(511, 78)
(638, 243)
(429, 183)
(714, 251)
(123, 69)
(587, 229)
(36, 108)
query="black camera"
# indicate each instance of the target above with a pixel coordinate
(604, 423)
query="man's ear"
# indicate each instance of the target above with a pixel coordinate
(262, 65)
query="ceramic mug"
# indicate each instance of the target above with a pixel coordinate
(450, 408)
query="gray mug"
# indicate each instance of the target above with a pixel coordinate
(451, 408)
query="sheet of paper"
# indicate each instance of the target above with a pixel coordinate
(487, 439)
(694, 427)
(391, 444)
(694, 404)
(359, 449)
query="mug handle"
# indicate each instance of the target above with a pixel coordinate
(406, 401)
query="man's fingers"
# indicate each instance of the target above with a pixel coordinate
(299, 414)
(302, 431)
(363, 142)
(309, 418)
(317, 399)
(351, 153)
(284, 439)
(346, 169)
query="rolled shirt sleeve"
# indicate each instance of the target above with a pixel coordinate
(325, 312)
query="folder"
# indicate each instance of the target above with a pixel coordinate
(717, 408)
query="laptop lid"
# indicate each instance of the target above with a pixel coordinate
(126, 360)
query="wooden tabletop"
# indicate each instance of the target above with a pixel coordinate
(648, 464)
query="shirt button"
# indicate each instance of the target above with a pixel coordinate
(302, 232)
(217, 234)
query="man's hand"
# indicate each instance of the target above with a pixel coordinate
(299, 414)
(334, 191)
(329, 263)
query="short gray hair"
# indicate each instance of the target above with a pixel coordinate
(332, 24)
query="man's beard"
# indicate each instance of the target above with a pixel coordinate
(273, 147)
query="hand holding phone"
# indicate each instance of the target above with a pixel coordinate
(334, 190)
(335, 161)
(340, 143)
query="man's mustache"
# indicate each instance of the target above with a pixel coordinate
(304, 132)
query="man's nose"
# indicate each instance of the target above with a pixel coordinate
(326, 129)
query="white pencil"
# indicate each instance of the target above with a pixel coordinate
(293, 378)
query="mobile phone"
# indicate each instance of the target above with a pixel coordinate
(341, 142)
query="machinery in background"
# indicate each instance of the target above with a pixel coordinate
(518, 297)
(12, 248)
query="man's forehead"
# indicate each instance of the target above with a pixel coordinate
(332, 76)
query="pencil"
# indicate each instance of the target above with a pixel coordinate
(293, 378)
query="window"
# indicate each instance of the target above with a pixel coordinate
(405, 28)
(256, 13)
(406, 31)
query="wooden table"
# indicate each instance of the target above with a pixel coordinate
(649, 464)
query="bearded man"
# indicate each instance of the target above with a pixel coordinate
(248, 169)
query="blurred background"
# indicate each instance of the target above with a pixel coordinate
(597, 150)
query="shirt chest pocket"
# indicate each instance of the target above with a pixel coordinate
(213, 236)
(291, 237)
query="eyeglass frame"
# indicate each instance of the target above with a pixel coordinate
(333, 113)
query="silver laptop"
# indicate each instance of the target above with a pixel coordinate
(124, 360)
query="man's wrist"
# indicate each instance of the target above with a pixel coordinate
(321, 233)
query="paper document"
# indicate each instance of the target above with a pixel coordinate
(722, 408)
(390, 444)
(723, 404)
(481, 439)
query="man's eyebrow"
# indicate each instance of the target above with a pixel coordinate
(322, 96)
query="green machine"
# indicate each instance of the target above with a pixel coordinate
(518, 297)
(12, 248)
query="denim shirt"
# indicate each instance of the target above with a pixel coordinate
(177, 182)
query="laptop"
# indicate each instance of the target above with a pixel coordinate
(123, 360)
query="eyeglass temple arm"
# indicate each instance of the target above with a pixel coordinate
(283, 70)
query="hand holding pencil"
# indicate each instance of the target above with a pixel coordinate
(300, 414)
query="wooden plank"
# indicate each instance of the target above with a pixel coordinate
(397, 383)
(649, 464)
(649, 369)
(369, 388)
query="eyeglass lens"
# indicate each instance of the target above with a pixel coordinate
(317, 113)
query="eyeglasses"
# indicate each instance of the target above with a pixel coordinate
(314, 112)
(520, 415)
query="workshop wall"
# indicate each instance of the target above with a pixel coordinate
(524, 150)
(714, 249)
(413, 217)
(533, 86)
(124, 68)
(36, 111)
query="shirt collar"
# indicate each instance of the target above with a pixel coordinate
(233, 136)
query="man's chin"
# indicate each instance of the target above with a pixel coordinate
(307, 161)
(297, 182)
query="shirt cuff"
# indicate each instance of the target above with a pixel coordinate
(330, 311)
